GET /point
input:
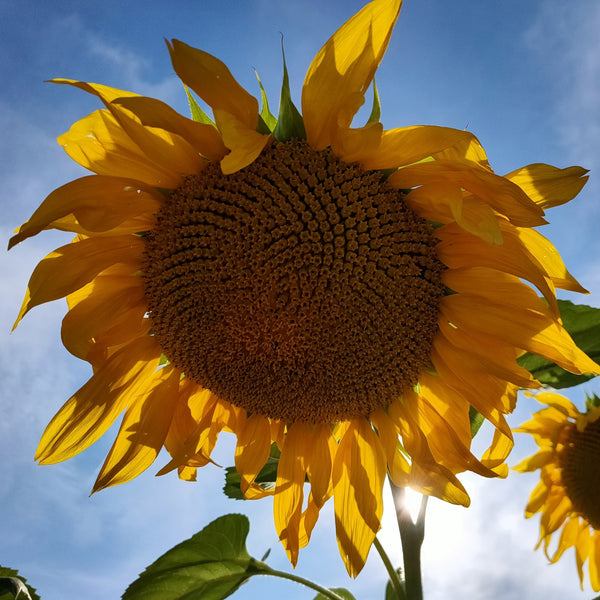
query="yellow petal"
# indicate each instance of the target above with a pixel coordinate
(549, 186)
(205, 138)
(501, 194)
(110, 311)
(594, 562)
(358, 472)
(143, 430)
(72, 266)
(532, 331)
(245, 143)
(568, 537)
(537, 498)
(318, 464)
(398, 467)
(252, 452)
(582, 548)
(343, 69)
(97, 202)
(560, 403)
(213, 82)
(99, 143)
(406, 145)
(92, 409)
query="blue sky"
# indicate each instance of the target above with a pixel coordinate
(523, 76)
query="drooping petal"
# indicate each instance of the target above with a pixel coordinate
(143, 430)
(358, 471)
(343, 69)
(549, 186)
(98, 203)
(99, 143)
(91, 411)
(500, 193)
(70, 267)
(245, 144)
(213, 82)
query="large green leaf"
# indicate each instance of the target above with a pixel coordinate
(211, 565)
(266, 477)
(583, 324)
(15, 587)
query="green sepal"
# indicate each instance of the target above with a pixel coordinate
(266, 477)
(591, 402)
(211, 565)
(341, 592)
(198, 114)
(267, 120)
(15, 587)
(375, 115)
(583, 324)
(476, 419)
(290, 124)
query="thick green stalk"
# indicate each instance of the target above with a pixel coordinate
(411, 535)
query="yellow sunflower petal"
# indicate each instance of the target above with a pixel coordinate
(251, 453)
(99, 143)
(500, 193)
(245, 144)
(558, 402)
(289, 488)
(319, 463)
(72, 266)
(98, 204)
(568, 538)
(358, 471)
(549, 186)
(406, 145)
(91, 410)
(213, 82)
(343, 69)
(582, 548)
(594, 562)
(398, 467)
(142, 432)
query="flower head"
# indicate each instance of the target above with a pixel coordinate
(345, 293)
(567, 494)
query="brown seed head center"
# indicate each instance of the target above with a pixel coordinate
(580, 462)
(300, 288)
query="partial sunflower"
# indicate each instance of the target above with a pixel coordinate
(345, 293)
(568, 494)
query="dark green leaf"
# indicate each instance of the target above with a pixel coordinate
(266, 477)
(341, 592)
(290, 124)
(211, 565)
(15, 587)
(591, 402)
(198, 114)
(375, 115)
(267, 118)
(476, 420)
(583, 324)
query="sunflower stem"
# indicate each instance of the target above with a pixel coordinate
(264, 569)
(395, 580)
(411, 536)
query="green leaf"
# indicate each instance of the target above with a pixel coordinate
(267, 118)
(591, 402)
(198, 114)
(266, 477)
(583, 324)
(341, 592)
(211, 565)
(15, 587)
(476, 419)
(290, 124)
(390, 590)
(375, 115)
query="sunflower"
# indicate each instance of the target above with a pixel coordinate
(569, 488)
(346, 295)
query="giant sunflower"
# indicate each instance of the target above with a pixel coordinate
(348, 294)
(569, 489)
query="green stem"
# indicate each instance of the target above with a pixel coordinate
(411, 535)
(264, 569)
(394, 578)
